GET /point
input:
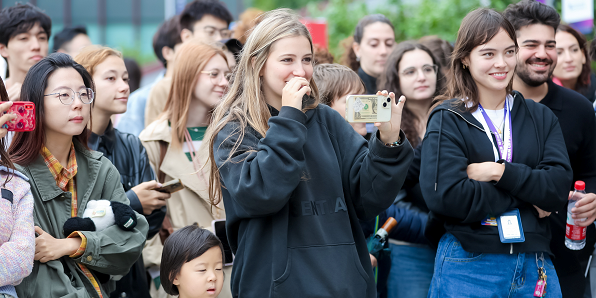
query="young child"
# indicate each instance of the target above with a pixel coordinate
(192, 263)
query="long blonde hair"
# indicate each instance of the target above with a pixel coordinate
(245, 102)
(190, 60)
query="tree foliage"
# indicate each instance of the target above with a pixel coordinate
(411, 20)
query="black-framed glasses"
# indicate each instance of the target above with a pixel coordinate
(67, 95)
(427, 70)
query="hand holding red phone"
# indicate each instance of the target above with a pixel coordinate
(24, 120)
(4, 107)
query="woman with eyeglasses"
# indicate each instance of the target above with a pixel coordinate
(414, 72)
(125, 151)
(65, 175)
(199, 81)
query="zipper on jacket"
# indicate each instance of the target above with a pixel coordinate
(511, 251)
(458, 114)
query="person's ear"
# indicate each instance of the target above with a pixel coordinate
(356, 48)
(583, 57)
(465, 62)
(176, 280)
(3, 50)
(168, 53)
(185, 35)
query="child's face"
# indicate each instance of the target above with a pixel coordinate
(340, 106)
(201, 277)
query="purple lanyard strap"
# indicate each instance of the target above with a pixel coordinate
(506, 153)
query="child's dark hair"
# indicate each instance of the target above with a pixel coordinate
(21, 18)
(182, 247)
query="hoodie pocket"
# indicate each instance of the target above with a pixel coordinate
(322, 271)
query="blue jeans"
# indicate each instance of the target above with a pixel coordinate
(411, 271)
(459, 273)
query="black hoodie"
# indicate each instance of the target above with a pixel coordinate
(539, 175)
(293, 200)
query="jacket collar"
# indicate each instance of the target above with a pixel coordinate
(107, 140)
(273, 111)
(175, 163)
(89, 163)
(455, 105)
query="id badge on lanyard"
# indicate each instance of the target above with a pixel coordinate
(509, 223)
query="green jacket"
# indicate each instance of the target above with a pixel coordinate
(110, 252)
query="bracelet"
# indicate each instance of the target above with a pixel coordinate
(394, 144)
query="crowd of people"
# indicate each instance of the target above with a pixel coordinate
(276, 193)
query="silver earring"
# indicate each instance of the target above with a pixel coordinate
(358, 58)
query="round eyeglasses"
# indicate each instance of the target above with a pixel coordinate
(67, 95)
(427, 70)
(217, 76)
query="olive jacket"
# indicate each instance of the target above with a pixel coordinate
(109, 254)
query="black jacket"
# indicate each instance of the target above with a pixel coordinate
(589, 91)
(127, 153)
(539, 175)
(578, 124)
(293, 200)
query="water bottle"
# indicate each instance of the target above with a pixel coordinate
(575, 236)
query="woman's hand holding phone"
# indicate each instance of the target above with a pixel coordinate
(389, 131)
(294, 91)
(5, 106)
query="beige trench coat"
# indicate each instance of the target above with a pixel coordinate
(188, 206)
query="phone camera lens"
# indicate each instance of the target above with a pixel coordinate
(384, 104)
(388, 99)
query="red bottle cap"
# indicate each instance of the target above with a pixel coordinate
(580, 185)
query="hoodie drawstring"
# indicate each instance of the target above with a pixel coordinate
(438, 150)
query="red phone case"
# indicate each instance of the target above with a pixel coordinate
(25, 121)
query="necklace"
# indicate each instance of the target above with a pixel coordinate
(500, 126)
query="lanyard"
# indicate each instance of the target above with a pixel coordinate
(505, 146)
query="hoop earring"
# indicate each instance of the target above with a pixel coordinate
(358, 58)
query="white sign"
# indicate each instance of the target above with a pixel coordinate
(577, 10)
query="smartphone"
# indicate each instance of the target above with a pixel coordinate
(219, 228)
(171, 186)
(368, 108)
(25, 121)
